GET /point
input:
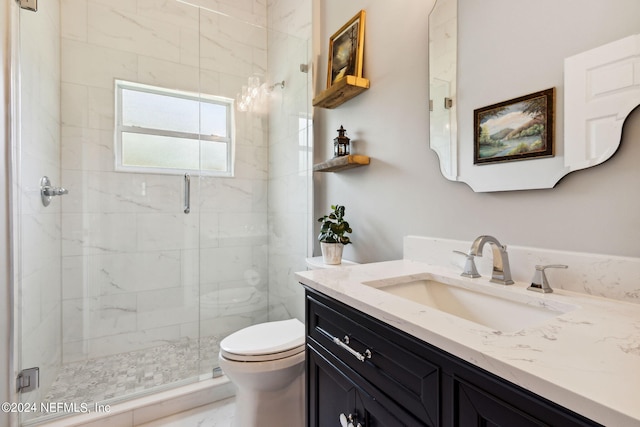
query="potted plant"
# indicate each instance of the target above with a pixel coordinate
(332, 235)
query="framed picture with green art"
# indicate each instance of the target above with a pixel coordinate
(518, 129)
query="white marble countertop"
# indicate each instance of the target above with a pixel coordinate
(587, 360)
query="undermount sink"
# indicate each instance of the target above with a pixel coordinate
(495, 308)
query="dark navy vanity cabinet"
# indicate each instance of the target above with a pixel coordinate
(374, 375)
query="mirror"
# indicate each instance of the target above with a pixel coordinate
(485, 53)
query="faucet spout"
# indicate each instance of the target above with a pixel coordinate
(501, 270)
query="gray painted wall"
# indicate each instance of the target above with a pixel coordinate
(402, 191)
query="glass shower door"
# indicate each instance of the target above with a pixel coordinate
(233, 208)
(122, 291)
(109, 272)
(37, 237)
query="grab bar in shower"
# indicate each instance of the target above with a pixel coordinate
(187, 193)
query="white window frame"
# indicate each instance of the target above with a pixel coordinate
(228, 103)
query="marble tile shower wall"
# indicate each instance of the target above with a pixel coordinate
(38, 274)
(133, 262)
(290, 151)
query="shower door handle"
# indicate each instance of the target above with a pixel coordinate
(47, 191)
(187, 193)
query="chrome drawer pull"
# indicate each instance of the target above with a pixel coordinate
(345, 344)
(347, 421)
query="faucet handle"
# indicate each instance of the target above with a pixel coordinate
(539, 283)
(470, 269)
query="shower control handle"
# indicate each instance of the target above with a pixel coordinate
(47, 191)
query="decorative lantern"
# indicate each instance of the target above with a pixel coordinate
(341, 144)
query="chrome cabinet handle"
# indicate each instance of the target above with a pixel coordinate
(348, 420)
(187, 193)
(47, 191)
(345, 344)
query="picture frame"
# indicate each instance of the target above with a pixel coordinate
(518, 129)
(346, 50)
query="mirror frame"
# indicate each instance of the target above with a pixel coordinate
(585, 134)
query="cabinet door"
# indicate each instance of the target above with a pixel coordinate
(329, 392)
(332, 392)
(506, 405)
(475, 407)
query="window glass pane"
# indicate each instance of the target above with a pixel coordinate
(155, 111)
(214, 156)
(214, 120)
(142, 150)
(170, 130)
(159, 151)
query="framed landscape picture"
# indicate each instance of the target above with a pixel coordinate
(517, 129)
(346, 50)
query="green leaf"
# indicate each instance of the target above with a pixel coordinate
(334, 226)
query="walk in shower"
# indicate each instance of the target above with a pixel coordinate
(176, 140)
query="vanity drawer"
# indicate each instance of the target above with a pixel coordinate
(389, 361)
(332, 391)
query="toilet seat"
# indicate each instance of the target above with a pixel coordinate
(265, 341)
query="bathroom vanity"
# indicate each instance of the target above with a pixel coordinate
(376, 356)
(395, 379)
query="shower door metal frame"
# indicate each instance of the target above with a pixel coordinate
(9, 129)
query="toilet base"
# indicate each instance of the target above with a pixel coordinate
(269, 408)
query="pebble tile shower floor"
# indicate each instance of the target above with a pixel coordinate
(106, 378)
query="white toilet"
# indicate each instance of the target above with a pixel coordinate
(266, 363)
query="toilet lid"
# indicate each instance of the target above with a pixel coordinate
(265, 341)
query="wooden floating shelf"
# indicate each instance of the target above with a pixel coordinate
(341, 91)
(341, 163)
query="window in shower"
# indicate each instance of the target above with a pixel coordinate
(169, 131)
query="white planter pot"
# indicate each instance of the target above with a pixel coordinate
(331, 253)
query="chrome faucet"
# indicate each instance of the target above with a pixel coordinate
(501, 271)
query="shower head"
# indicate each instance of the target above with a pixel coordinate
(273, 86)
